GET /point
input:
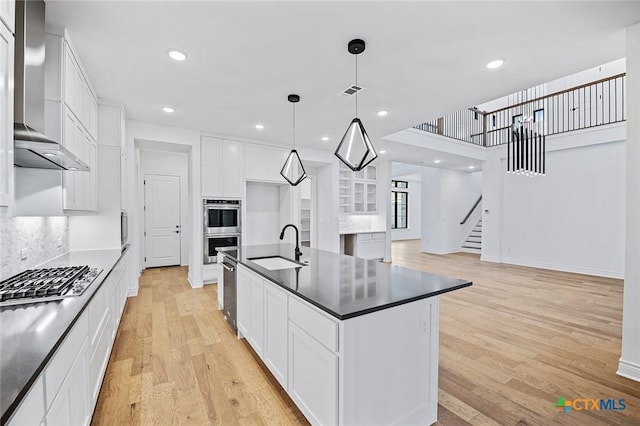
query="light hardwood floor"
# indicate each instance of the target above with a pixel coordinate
(510, 345)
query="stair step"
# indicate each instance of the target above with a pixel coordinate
(472, 243)
(471, 248)
(472, 240)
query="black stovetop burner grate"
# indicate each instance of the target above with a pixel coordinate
(45, 282)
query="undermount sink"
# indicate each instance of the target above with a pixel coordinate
(274, 263)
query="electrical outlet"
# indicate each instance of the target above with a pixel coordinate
(23, 254)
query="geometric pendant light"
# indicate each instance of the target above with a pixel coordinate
(526, 151)
(293, 170)
(355, 149)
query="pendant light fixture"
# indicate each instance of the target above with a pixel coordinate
(293, 170)
(355, 149)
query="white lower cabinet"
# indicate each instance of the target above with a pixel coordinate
(67, 390)
(279, 328)
(347, 372)
(313, 377)
(276, 332)
(256, 333)
(71, 404)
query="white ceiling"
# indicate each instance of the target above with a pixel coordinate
(423, 59)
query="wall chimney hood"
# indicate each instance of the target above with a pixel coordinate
(32, 149)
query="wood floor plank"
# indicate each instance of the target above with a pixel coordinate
(510, 345)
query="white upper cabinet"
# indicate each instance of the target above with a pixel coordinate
(263, 163)
(8, 14)
(222, 168)
(358, 190)
(71, 111)
(6, 112)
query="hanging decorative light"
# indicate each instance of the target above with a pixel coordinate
(355, 149)
(293, 170)
(526, 150)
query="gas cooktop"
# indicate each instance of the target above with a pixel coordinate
(43, 285)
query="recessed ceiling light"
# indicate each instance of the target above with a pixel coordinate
(168, 109)
(472, 167)
(383, 113)
(325, 138)
(259, 126)
(49, 154)
(383, 151)
(177, 55)
(496, 63)
(73, 168)
(436, 161)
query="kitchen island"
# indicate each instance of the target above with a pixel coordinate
(352, 341)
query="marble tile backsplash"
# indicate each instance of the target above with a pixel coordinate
(43, 238)
(362, 223)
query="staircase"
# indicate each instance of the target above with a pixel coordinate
(473, 242)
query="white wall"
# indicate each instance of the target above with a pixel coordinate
(414, 225)
(447, 196)
(629, 365)
(327, 208)
(189, 140)
(572, 219)
(172, 164)
(262, 220)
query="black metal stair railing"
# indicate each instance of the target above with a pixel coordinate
(589, 105)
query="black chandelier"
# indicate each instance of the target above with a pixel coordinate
(355, 149)
(293, 170)
(526, 151)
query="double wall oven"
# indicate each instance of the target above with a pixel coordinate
(221, 226)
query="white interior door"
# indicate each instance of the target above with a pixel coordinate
(162, 220)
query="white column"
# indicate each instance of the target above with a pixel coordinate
(629, 365)
(492, 201)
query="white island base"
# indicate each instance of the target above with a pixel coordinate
(379, 368)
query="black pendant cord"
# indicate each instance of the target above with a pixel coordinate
(357, 87)
(294, 126)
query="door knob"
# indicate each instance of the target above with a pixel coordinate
(177, 226)
(177, 232)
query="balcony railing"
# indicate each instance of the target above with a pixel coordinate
(589, 105)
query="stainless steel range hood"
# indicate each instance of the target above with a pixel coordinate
(31, 147)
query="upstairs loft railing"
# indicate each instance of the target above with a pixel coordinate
(589, 105)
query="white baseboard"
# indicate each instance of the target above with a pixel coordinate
(629, 370)
(563, 268)
(439, 251)
(194, 283)
(493, 259)
(133, 292)
(468, 250)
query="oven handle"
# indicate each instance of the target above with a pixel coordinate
(228, 267)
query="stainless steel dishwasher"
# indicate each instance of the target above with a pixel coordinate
(229, 267)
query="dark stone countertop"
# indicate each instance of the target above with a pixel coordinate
(346, 286)
(30, 334)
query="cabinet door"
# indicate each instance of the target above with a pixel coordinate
(91, 181)
(71, 404)
(69, 77)
(210, 167)
(276, 332)
(232, 168)
(276, 157)
(256, 329)
(6, 113)
(313, 377)
(372, 198)
(32, 408)
(8, 14)
(358, 197)
(256, 162)
(243, 298)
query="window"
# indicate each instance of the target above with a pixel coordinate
(516, 120)
(538, 116)
(399, 204)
